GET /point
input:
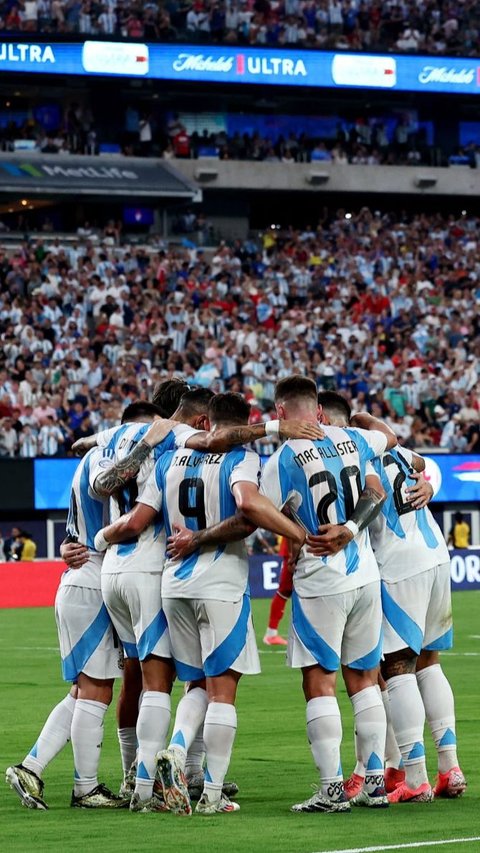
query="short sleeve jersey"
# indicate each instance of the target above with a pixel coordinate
(406, 541)
(86, 515)
(320, 482)
(145, 553)
(195, 490)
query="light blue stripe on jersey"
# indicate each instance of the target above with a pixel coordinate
(152, 635)
(392, 518)
(401, 622)
(389, 512)
(425, 529)
(228, 506)
(187, 566)
(83, 650)
(313, 642)
(229, 649)
(292, 478)
(91, 508)
(118, 435)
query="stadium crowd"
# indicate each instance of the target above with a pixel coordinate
(383, 309)
(361, 141)
(425, 26)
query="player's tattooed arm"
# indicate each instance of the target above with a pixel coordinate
(184, 542)
(332, 538)
(223, 439)
(115, 476)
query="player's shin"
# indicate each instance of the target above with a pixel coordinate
(87, 737)
(152, 727)
(370, 726)
(439, 705)
(189, 718)
(408, 719)
(324, 730)
(53, 737)
(219, 735)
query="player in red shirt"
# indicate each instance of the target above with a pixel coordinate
(279, 600)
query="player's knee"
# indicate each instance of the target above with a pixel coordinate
(427, 658)
(402, 662)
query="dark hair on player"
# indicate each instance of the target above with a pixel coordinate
(142, 409)
(295, 386)
(229, 408)
(335, 404)
(167, 396)
(195, 402)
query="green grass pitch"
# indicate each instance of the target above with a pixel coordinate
(271, 762)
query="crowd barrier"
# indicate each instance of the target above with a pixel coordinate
(34, 584)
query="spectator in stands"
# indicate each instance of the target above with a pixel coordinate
(28, 547)
(12, 545)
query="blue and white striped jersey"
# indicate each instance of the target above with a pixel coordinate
(194, 489)
(320, 482)
(406, 541)
(87, 514)
(145, 553)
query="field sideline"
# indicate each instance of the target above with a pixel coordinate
(271, 763)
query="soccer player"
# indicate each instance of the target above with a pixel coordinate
(280, 598)
(90, 660)
(415, 569)
(336, 606)
(205, 596)
(132, 465)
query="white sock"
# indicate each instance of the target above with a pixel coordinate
(127, 741)
(371, 727)
(271, 632)
(152, 727)
(87, 737)
(324, 730)
(53, 737)
(219, 732)
(440, 710)
(359, 768)
(408, 720)
(393, 757)
(195, 755)
(190, 715)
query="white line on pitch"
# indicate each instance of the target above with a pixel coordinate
(409, 846)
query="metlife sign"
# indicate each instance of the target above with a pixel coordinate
(250, 65)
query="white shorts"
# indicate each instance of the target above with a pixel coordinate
(88, 642)
(209, 637)
(134, 603)
(417, 612)
(332, 629)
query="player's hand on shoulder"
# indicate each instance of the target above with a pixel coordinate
(80, 447)
(158, 431)
(421, 493)
(74, 554)
(181, 543)
(301, 429)
(330, 539)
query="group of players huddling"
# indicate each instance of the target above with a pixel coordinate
(157, 587)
